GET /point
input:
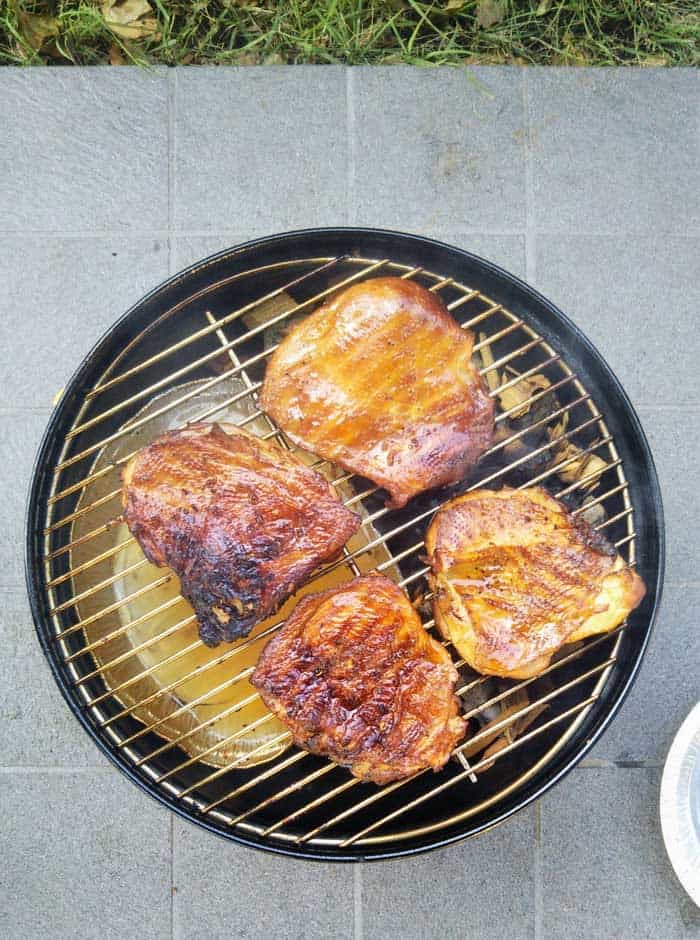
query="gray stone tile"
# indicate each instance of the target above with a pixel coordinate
(20, 434)
(84, 855)
(480, 888)
(615, 149)
(636, 298)
(508, 251)
(262, 149)
(666, 689)
(222, 890)
(437, 147)
(36, 726)
(673, 437)
(59, 297)
(604, 868)
(96, 141)
(186, 249)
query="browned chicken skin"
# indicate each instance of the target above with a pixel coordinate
(380, 381)
(356, 678)
(241, 522)
(516, 577)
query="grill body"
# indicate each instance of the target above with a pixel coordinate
(296, 804)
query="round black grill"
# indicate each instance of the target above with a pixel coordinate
(182, 720)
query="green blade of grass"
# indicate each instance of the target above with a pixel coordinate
(591, 32)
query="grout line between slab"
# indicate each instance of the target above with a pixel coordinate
(84, 233)
(357, 901)
(172, 165)
(454, 228)
(24, 409)
(172, 883)
(34, 769)
(599, 763)
(351, 129)
(538, 871)
(530, 227)
(638, 764)
(637, 233)
(687, 406)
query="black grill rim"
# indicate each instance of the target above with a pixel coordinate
(557, 329)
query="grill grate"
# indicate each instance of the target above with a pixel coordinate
(295, 799)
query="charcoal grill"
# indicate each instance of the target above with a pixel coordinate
(194, 348)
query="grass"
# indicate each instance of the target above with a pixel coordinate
(246, 32)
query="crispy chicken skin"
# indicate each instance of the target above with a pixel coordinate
(380, 381)
(240, 521)
(515, 577)
(355, 677)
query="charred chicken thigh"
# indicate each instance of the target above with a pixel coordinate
(357, 678)
(240, 521)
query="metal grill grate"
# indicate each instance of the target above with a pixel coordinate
(200, 348)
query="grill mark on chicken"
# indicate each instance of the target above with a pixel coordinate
(356, 678)
(380, 381)
(241, 522)
(516, 577)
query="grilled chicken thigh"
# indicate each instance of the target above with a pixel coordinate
(241, 522)
(380, 380)
(356, 678)
(515, 577)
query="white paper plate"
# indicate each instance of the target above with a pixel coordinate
(680, 804)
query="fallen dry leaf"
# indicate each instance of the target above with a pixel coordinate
(580, 465)
(130, 19)
(37, 28)
(493, 737)
(654, 61)
(518, 396)
(512, 733)
(492, 377)
(116, 56)
(488, 734)
(246, 58)
(490, 12)
(558, 429)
